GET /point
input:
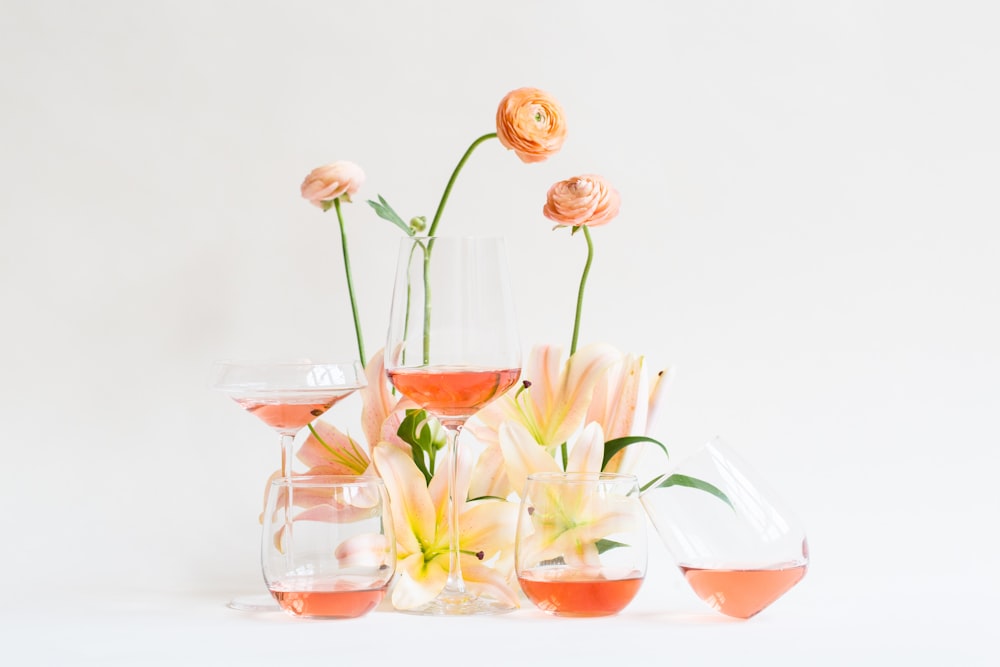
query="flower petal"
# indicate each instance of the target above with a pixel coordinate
(587, 453)
(334, 450)
(581, 374)
(489, 476)
(413, 513)
(377, 402)
(485, 581)
(523, 454)
(418, 582)
(656, 394)
(368, 550)
(620, 405)
(488, 526)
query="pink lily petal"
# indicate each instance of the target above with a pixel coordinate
(419, 582)
(489, 527)
(620, 405)
(656, 394)
(489, 477)
(583, 370)
(413, 513)
(587, 453)
(337, 451)
(553, 408)
(377, 402)
(365, 550)
(487, 582)
(523, 454)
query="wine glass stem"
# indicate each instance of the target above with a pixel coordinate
(455, 585)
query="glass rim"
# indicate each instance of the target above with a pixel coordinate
(466, 238)
(582, 476)
(262, 363)
(328, 481)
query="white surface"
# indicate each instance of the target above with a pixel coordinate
(808, 239)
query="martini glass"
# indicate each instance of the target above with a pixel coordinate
(287, 396)
(452, 348)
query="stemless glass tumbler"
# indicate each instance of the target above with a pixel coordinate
(581, 542)
(328, 548)
(740, 556)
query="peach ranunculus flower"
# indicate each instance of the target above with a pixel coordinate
(326, 183)
(531, 123)
(582, 200)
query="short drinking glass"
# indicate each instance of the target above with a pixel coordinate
(328, 549)
(581, 542)
(740, 556)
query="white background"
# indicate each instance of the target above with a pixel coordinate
(808, 240)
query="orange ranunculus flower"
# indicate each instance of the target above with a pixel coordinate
(326, 183)
(582, 200)
(531, 123)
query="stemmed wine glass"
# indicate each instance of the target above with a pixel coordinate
(286, 396)
(452, 348)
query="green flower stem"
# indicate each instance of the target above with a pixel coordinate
(454, 177)
(583, 284)
(350, 283)
(433, 229)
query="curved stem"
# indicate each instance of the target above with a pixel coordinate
(451, 181)
(350, 283)
(583, 284)
(433, 229)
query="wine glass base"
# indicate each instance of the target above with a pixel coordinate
(462, 605)
(262, 602)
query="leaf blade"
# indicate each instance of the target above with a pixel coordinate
(695, 483)
(612, 447)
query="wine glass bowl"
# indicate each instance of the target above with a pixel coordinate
(327, 546)
(738, 557)
(580, 548)
(452, 348)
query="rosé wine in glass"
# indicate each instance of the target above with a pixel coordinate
(551, 590)
(742, 593)
(452, 392)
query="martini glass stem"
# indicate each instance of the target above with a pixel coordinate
(287, 454)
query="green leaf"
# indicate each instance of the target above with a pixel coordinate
(386, 212)
(472, 500)
(694, 483)
(418, 458)
(607, 545)
(425, 436)
(612, 447)
(419, 429)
